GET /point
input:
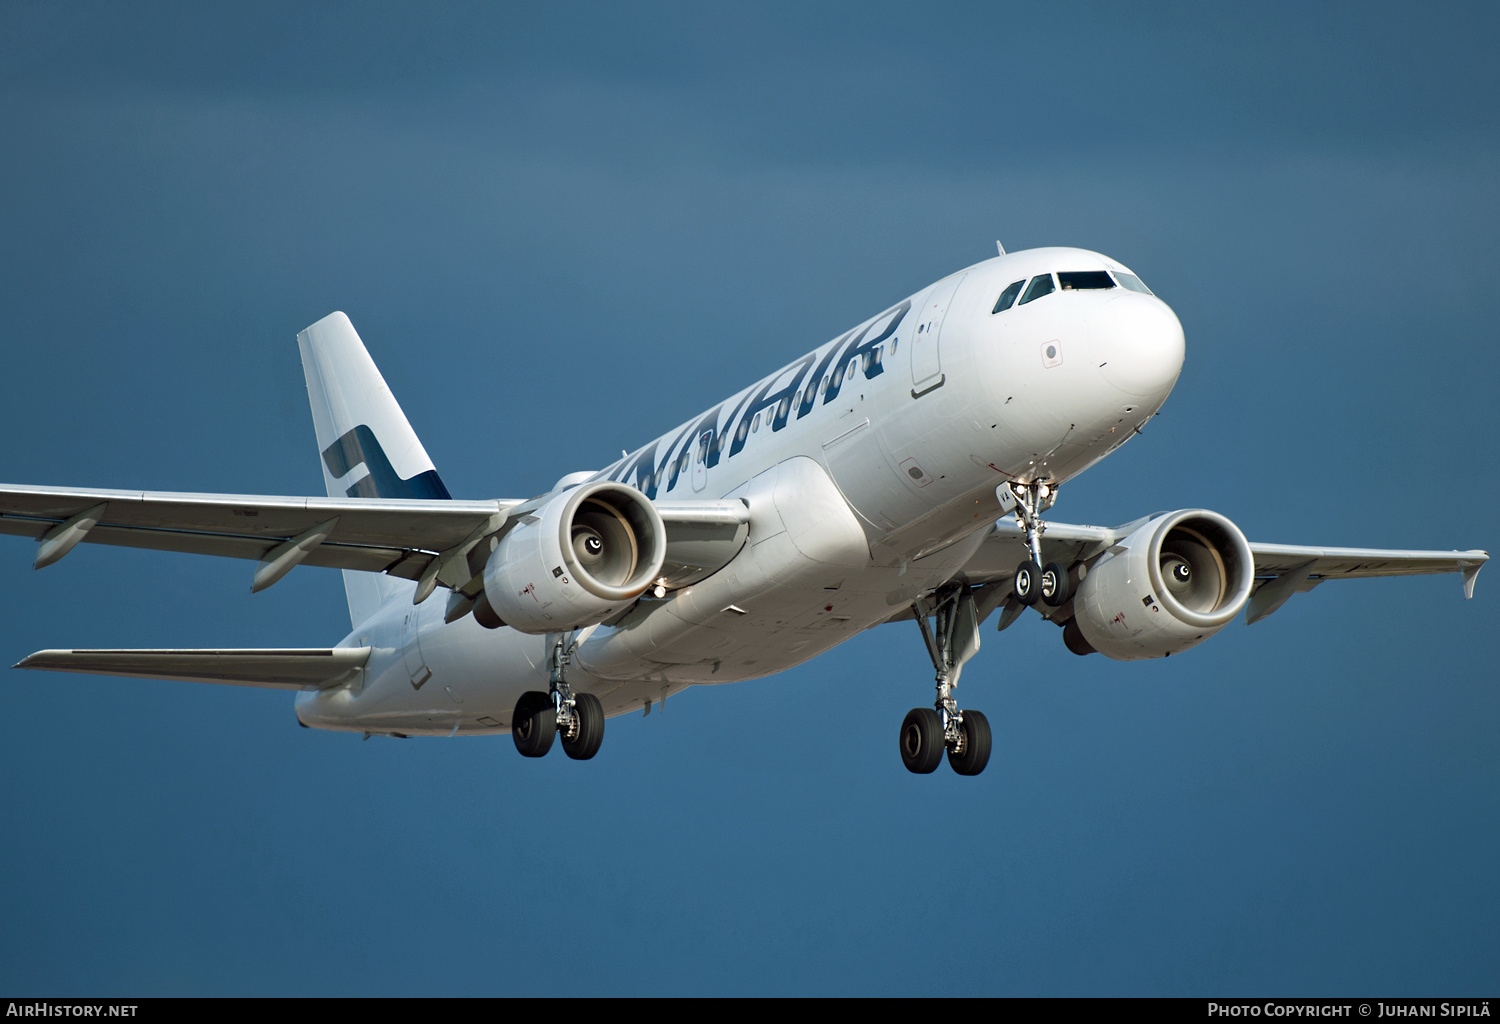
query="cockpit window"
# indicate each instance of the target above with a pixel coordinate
(1039, 286)
(1008, 297)
(1132, 282)
(1078, 280)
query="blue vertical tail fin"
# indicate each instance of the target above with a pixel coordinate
(368, 448)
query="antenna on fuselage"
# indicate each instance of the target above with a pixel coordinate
(1000, 247)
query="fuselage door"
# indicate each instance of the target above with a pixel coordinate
(411, 647)
(926, 361)
(700, 460)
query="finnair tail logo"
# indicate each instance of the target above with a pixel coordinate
(359, 448)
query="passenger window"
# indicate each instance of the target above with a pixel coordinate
(1078, 280)
(1008, 297)
(755, 423)
(1132, 282)
(1039, 286)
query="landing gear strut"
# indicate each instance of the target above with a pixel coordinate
(1033, 581)
(952, 639)
(577, 717)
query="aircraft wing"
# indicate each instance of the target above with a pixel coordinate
(428, 540)
(1281, 570)
(295, 669)
(391, 535)
(1287, 569)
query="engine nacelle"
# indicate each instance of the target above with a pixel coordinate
(1170, 585)
(581, 557)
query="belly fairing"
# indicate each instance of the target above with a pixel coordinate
(804, 543)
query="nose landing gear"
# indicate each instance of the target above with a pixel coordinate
(952, 639)
(1034, 582)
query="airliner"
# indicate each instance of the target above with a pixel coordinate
(903, 471)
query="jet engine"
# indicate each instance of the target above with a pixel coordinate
(573, 562)
(1171, 584)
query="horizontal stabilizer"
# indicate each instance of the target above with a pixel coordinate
(305, 668)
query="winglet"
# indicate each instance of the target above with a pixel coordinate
(1471, 573)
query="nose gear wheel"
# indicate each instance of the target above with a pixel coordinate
(1027, 584)
(1055, 585)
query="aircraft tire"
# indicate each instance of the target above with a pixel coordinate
(1056, 588)
(590, 728)
(1028, 583)
(976, 732)
(534, 724)
(922, 741)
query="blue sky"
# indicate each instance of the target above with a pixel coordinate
(561, 229)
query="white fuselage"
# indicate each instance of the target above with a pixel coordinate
(869, 467)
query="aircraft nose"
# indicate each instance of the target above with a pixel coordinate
(1140, 345)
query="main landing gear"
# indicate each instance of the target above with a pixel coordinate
(927, 733)
(540, 718)
(952, 638)
(1033, 581)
